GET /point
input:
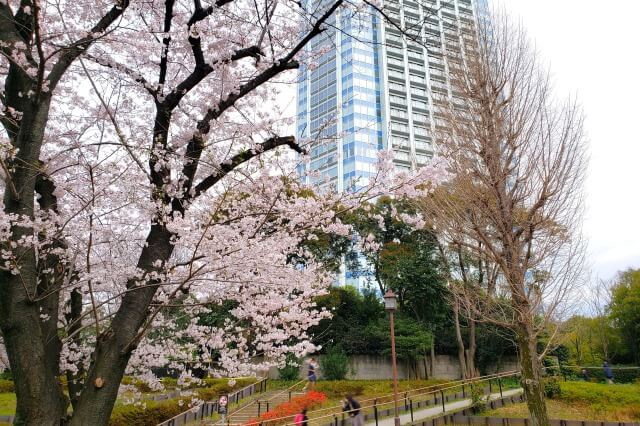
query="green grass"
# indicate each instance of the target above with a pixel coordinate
(7, 403)
(598, 394)
(586, 401)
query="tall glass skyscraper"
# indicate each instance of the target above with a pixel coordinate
(378, 84)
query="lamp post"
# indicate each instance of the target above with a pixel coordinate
(390, 305)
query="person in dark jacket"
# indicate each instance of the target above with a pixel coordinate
(352, 407)
(608, 373)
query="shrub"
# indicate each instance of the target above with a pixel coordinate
(620, 375)
(291, 370)
(285, 411)
(139, 384)
(552, 367)
(334, 364)
(340, 388)
(152, 413)
(552, 388)
(216, 387)
(478, 400)
(6, 386)
(169, 382)
(239, 382)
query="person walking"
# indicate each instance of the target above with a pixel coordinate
(585, 374)
(301, 418)
(312, 377)
(608, 373)
(352, 407)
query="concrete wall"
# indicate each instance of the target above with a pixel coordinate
(367, 367)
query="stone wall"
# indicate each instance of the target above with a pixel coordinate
(368, 367)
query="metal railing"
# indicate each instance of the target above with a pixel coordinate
(207, 409)
(421, 397)
(266, 402)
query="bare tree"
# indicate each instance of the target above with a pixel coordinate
(599, 300)
(466, 271)
(517, 160)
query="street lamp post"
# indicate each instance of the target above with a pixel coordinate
(390, 305)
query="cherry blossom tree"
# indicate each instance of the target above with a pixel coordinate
(144, 171)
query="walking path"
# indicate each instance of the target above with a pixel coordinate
(437, 410)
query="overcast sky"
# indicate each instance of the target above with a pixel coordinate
(593, 50)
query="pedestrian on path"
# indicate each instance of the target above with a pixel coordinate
(352, 407)
(301, 418)
(608, 373)
(311, 374)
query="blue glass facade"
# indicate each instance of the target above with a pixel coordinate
(339, 102)
(378, 85)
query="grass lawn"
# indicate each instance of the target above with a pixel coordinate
(130, 414)
(7, 403)
(586, 401)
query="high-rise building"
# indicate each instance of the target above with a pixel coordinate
(377, 84)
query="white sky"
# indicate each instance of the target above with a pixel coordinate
(593, 49)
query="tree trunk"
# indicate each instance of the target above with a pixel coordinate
(470, 353)
(460, 342)
(38, 392)
(531, 382)
(39, 396)
(432, 367)
(115, 345)
(425, 365)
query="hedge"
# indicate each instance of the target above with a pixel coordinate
(340, 388)
(152, 413)
(620, 375)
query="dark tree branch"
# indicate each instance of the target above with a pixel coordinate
(283, 64)
(25, 21)
(196, 144)
(199, 13)
(221, 3)
(243, 157)
(10, 34)
(202, 70)
(76, 49)
(137, 77)
(164, 57)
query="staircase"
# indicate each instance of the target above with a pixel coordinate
(261, 405)
(255, 406)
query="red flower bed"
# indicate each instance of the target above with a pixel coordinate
(286, 411)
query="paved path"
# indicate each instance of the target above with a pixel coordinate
(437, 410)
